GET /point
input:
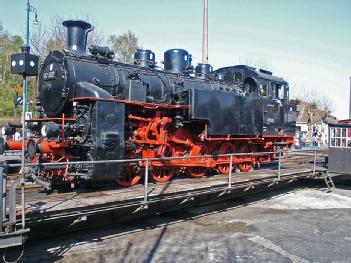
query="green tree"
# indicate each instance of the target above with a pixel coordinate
(124, 45)
(8, 45)
(17, 42)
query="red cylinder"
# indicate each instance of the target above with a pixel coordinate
(13, 145)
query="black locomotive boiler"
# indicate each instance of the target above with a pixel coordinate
(91, 107)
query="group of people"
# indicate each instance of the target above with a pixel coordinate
(302, 140)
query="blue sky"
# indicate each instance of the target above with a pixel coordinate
(307, 42)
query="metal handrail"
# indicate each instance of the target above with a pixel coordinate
(161, 158)
(147, 163)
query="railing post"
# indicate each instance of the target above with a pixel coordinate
(23, 205)
(12, 200)
(315, 161)
(3, 195)
(279, 165)
(146, 180)
(230, 171)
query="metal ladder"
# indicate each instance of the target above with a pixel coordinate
(328, 181)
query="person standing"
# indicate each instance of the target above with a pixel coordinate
(314, 140)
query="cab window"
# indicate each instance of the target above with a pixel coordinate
(280, 92)
(264, 90)
(277, 91)
(272, 90)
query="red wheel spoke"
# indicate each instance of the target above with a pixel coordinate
(245, 166)
(162, 174)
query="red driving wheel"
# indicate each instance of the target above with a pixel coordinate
(163, 174)
(129, 177)
(226, 148)
(199, 171)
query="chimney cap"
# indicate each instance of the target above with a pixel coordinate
(80, 23)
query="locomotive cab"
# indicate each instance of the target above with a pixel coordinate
(272, 92)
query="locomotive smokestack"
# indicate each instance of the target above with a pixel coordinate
(77, 33)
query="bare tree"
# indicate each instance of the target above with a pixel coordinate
(124, 45)
(326, 106)
(57, 35)
(316, 106)
(257, 62)
(38, 41)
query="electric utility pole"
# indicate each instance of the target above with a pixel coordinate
(205, 34)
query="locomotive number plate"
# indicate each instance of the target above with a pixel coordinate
(49, 75)
(270, 120)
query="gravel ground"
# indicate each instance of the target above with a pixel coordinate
(296, 225)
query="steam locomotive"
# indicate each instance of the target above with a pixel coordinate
(93, 108)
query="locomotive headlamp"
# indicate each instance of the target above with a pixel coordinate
(43, 131)
(8, 130)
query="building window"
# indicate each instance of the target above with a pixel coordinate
(340, 137)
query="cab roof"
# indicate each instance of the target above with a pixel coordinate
(258, 73)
